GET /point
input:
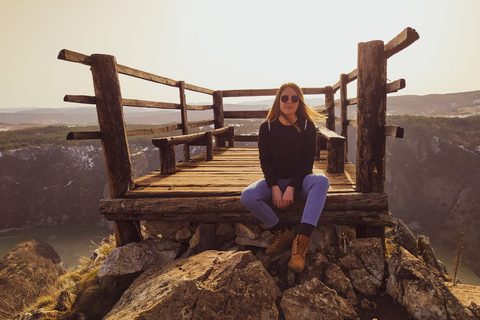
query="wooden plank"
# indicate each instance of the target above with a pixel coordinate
(394, 131)
(80, 99)
(249, 92)
(85, 135)
(137, 103)
(72, 56)
(266, 92)
(396, 85)
(400, 42)
(249, 114)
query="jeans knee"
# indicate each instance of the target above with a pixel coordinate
(247, 197)
(321, 181)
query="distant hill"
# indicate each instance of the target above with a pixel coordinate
(456, 104)
(464, 103)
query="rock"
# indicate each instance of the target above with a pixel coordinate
(65, 301)
(371, 253)
(183, 235)
(139, 256)
(338, 281)
(224, 229)
(165, 229)
(329, 240)
(413, 285)
(469, 296)
(247, 231)
(27, 272)
(210, 285)
(203, 239)
(314, 300)
(263, 241)
(315, 269)
(425, 250)
(365, 265)
(399, 233)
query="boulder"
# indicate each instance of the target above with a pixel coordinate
(399, 233)
(415, 286)
(365, 265)
(139, 256)
(165, 229)
(468, 295)
(338, 281)
(203, 239)
(329, 240)
(425, 250)
(209, 285)
(249, 231)
(314, 300)
(263, 241)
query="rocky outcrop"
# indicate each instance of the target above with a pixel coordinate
(210, 285)
(413, 285)
(26, 273)
(136, 257)
(176, 275)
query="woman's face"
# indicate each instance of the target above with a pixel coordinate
(289, 107)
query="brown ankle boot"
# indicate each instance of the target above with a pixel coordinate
(281, 241)
(299, 251)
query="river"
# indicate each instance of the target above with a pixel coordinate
(70, 242)
(75, 242)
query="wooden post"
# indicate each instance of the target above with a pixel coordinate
(371, 117)
(208, 138)
(183, 110)
(168, 161)
(114, 139)
(343, 110)
(219, 119)
(231, 137)
(330, 107)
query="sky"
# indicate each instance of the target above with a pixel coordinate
(222, 44)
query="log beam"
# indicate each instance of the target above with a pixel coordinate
(349, 209)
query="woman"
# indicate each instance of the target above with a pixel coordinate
(287, 144)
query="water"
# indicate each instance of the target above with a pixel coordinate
(70, 242)
(464, 273)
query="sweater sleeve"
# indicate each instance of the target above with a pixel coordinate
(266, 161)
(307, 156)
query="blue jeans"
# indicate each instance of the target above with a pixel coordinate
(314, 190)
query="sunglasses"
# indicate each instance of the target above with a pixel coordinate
(284, 98)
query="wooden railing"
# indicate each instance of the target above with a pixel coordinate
(370, 122)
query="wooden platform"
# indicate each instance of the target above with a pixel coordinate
(209, 191)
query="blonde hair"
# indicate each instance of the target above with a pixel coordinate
(303, 109)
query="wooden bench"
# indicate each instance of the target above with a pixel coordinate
(167, 146)
(335, 149)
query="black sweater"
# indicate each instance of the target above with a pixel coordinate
(285, 152)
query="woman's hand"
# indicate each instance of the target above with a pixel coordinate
(277, 197)
(282, 200)
(288, 196)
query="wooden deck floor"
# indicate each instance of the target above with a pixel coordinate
(208, 191)
(230, 171)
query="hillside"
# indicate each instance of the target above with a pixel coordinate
(433, 178)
